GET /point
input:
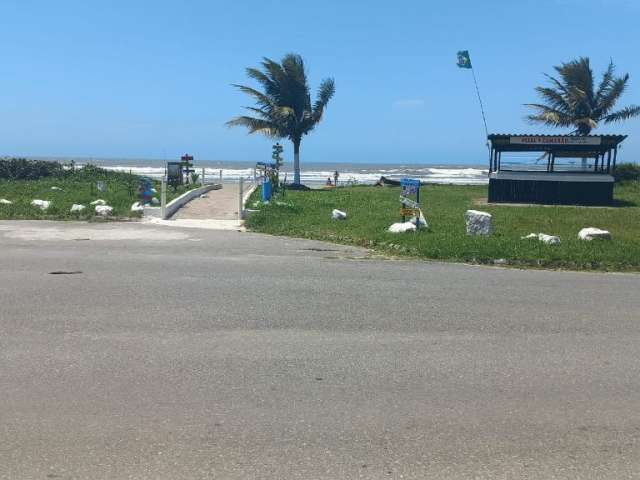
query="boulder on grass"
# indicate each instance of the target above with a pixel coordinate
(56, 188)
(590, 233)
(401, 227)
(4, 201)
(104, 210)
(544, 238)
(98, 202)
(478, 223)
(338, 215)
(155, 201)
(41, 204)
(549, 239)
(137, 207)
(77, 208)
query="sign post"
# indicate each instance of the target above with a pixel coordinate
(187, 165)
(410, 199)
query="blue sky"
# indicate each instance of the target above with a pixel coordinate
(139, 79)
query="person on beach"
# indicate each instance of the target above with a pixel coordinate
(328, 184)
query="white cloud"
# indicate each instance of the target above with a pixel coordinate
(409, 103)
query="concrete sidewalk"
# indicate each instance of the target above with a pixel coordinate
(216, 205)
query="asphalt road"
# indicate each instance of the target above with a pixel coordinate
(184, 353)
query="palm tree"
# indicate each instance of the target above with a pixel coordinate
(284, 109)
(572, 100)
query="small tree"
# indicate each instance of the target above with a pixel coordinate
(276, 156)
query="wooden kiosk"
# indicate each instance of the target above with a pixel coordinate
(553, 169)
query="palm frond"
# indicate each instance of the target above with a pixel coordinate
(260, 97)
(558, 84)
(256, 125)
(555, 99)
(260, 77)
(611, 94)
(578, 74)
(623, 114)
(326, 91)
(549, 116)
(605, 83)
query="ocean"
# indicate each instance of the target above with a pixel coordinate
(311, 173)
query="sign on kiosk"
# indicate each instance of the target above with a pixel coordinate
(557, 140)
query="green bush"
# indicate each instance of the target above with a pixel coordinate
(23, 169)
(627, 172)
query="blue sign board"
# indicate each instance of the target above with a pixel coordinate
(410, 187)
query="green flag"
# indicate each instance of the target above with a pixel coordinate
(464, 60)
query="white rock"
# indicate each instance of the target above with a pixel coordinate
(402, 227)
(549, 239)
(154, 191)
(98, 202)
(76, 207)
(155, 201)
(137, 207)
(41, 204)
(531, 235)
(204, 196)
(56, 188)
(591, 232)
(478, 223)
(543, 237)
(4, 201)
(338, 215)
(104, 210)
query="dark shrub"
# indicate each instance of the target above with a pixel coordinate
(23, 169)
(627, 172)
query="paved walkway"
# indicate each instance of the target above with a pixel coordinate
(216, 205)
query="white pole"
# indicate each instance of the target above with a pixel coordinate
(163, 198)
(240, 205)
(220, 176)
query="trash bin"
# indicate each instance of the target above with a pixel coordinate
(266, 190)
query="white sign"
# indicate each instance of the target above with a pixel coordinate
(559, 140)
(409, 203)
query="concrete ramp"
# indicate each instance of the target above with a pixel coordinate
(214, 205)
(215, 210)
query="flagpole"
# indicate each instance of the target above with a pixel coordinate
(484, 119)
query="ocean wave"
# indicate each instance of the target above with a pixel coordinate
(449, 175)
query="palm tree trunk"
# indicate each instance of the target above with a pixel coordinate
(296, 162)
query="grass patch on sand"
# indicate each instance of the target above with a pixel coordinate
(372, 209)
(74, 187)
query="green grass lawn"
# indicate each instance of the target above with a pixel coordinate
(372, 209)
(121, 193)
